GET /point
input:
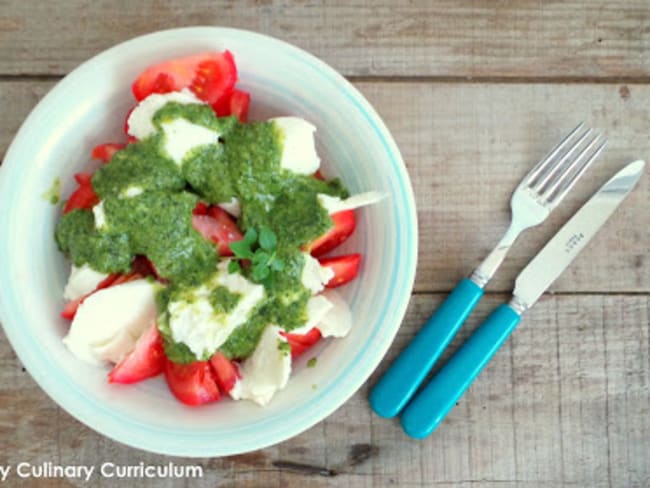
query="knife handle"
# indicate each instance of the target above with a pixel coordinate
(398, 384)
(433, 403)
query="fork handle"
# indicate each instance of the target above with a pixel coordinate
(398, 384)
(434, 402)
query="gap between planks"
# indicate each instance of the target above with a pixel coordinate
(550, 80)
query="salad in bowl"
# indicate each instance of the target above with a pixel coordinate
(197, 246)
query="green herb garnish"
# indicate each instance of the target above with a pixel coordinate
(311, 363)
(261, 250)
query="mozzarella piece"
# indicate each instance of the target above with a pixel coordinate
(82, 281)
(196, 324)
(298, 145)
(232, 207)
(140, 122)
(100, 216)
(314, 276)
(132, 191)
(182, 136)
(335, 204)
(337, 321)
(109, 322)
(317, 308)
(266, 371)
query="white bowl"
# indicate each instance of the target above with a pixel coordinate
(88, 107)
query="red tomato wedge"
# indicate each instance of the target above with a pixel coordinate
(344, 225)
(301, 342)
(236, 104)
(225, 371)
(144, 267)
(70, 308)
(345, 268)
(84, 196)
(145, 361)
(217, 226)
(211, 76)
(239, 102)
(192, 384)
(200, 209)
(105, 152)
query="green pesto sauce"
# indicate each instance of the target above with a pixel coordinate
(53, 193)
(157, 222)
(223, 300)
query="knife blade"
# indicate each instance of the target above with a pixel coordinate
(572, 238)
(432, 404)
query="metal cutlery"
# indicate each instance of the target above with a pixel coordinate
(433, 403)
(540, 191)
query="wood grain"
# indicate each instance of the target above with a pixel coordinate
(568, 39)
(565, 403)
(466, 146)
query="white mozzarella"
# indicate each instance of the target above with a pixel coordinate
(140, 122)
(132, 191)
(182, 136)
(298, 145)
(109, 322)
(337, 321)
(317, 308)
(82, 280)
(195, 323)
(335, 204)
(100, 216)
(314, 276)
(232, 207)
(266, 371)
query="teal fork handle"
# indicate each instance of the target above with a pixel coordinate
(432, 404)
(398, 384)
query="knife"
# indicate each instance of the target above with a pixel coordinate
(432, 404)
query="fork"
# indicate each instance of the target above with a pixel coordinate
(540, 191)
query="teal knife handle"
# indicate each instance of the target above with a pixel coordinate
(398, 384)
(433, 403)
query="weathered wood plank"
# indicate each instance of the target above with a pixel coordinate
(405, 38)
(466, 147)
(565, 403)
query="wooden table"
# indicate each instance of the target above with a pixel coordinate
(474, 95)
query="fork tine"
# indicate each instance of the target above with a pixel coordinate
(557, 198)
(546, 160)
(570, 165)
(550, 176)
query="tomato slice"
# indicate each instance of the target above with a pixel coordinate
(70, 308)
(84, 196)
(236, 104)
(145, 361)
(200, 209)
(344, 225)
(345, 268)
(192, 384)
(215, 78)
(211, 76)
(105, 152)
(301, 342)
(217, 226)
(239, 102)
(225, 370)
